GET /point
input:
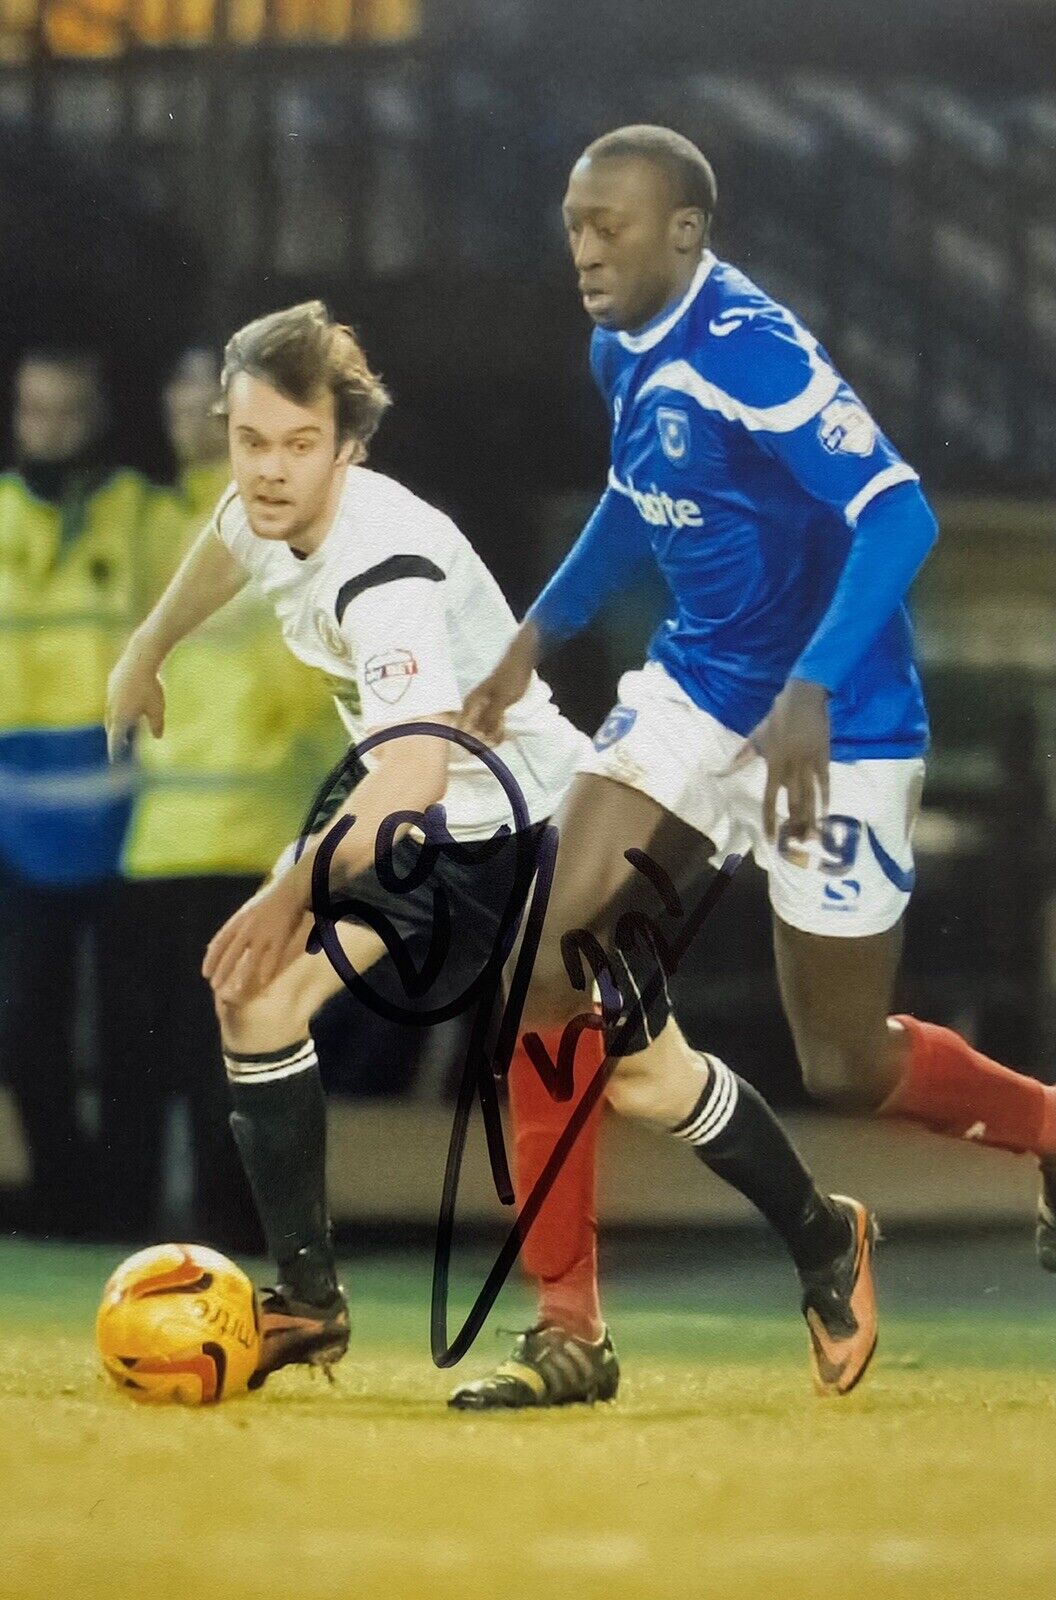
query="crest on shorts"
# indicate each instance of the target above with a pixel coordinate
(847, 427)
(617, 724)
(389, 674)
(330, 636)
(673, 428)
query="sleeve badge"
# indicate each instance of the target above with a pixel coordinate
(847, 426)
(388, 674)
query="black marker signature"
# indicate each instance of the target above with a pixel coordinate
(489, 1054)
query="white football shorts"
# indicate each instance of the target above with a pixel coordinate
(853, 879)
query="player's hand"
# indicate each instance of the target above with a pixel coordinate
(260, 939)
(133, 691)
(484, 709)
(793, 740)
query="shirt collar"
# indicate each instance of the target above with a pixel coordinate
(649, 336)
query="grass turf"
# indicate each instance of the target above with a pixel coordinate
(716, 1473)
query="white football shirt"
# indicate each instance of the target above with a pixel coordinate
(403, 617)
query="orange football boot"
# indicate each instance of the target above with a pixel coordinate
(839, 1303)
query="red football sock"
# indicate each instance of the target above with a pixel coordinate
(560, 1252)
(953, 1089)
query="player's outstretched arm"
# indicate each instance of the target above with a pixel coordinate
(207, 578)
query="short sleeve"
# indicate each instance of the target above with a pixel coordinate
(776, 381)
(231, 527)
(400, 642)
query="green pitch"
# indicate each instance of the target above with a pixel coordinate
(716, 1473)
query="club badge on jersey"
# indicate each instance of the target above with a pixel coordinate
(673, 428)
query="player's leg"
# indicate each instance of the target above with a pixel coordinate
(695, 1097)
(599, 821)
(837, 986)
(278, 1117)
(837, 996)
(223, 1206)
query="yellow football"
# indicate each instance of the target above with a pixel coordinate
(179, 1322)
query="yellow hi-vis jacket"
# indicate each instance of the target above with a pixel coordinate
(71, 587)
(66, 608)
(250, 732)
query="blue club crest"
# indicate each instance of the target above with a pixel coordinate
(673, 428)
(620, 721)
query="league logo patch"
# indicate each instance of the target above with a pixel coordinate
(847, 426)
(673, 428)
(330, 636)
(389, 674)
(617, 724)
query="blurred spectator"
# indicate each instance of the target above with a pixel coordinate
(249, 735)
(71, 528)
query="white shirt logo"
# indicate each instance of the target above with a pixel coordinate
(660, 511)
(847, 426)
(731, 319)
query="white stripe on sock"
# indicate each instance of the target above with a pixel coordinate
(300, 1060)
(706, 1110)
(700, 1129)
(718, 1109)
(297, 1053)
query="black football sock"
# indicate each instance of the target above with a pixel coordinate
(735, 1133)
(278, 1118)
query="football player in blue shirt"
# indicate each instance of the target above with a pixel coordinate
(779, 709)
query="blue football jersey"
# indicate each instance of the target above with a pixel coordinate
(742, 461)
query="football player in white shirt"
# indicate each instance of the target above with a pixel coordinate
(381, 592)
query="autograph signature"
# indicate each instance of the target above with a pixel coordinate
(497, 1019)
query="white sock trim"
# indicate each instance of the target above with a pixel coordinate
(302, 1058)
(717, 1110)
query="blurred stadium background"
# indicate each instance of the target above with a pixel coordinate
(169, 168)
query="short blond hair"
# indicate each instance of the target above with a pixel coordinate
(302, 352)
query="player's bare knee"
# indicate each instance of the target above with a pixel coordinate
(631, 1088)
(267, 1021)
(239, 1022)
(639, 1088)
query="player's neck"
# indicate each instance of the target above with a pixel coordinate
(306, 541)
(676, 293)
